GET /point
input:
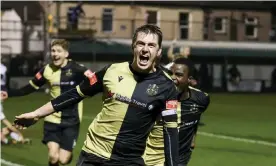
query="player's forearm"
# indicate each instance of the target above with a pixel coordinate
(67, 99)
(45, 110)
(22, 91)
(10, 127)
(170, 137)
(170, 53)
(171, 146)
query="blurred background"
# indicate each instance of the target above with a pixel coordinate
(220, 35)
(233, 46)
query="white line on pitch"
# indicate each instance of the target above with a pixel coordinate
(220, 136)
(238, 139)
(8, 163)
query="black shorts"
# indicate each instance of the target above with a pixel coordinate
(88, 159)
(66, 137)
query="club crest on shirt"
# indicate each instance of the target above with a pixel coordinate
(68, 72)
(152, 89)
(120, 78)
(194, 108)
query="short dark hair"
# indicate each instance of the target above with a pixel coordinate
(61, 42)
(188, 63)
(148, 28)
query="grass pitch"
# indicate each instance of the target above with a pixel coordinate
(236, 115)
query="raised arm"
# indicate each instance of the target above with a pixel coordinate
(170, 54)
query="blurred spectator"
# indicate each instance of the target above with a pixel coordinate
(273, 80)
(234, 75)
(73, 15)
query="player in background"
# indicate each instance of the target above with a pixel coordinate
(61, 129)
(191, 104)
(234, 75)
(134, 95)
(9, 134)
(183, 52)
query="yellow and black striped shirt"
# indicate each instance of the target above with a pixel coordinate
(189, 112)
(131, 104)
(61, 80)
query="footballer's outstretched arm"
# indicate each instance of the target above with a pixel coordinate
(89, 87)
(27, 119)
(34, 84)
(170, 132)
(66, 99)
(92, 84)
(22, 91)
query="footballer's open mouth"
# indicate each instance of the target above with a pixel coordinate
(55, 59)
(143, 60)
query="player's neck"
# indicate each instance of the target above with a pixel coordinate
(185, 94)
(64, 63)
(144, 72)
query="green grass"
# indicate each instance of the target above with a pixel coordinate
(246, 116)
